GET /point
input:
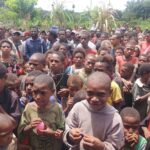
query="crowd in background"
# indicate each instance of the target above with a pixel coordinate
(65, 89)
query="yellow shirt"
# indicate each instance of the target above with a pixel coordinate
(115, 96)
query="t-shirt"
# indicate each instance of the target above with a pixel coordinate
(121, 60)
(140, 145)
(115, 96)
(145, 47)
(51, 116)
(104, 124)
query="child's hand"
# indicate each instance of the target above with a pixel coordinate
(35, 122)
(92, 143)
(75, 135)
(58, 133)
(132, 139)
(47, 131)
(63, 92)
(146, 132)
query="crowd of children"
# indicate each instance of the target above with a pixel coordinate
(75, 90)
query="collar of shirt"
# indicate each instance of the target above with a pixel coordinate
(38, 39)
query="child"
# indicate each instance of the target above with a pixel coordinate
(119, 51)
(78, 61)
(74, 84)
(36, 62)
(26, 95)
(57, 70)
(106, 64)
(131, 122)
(92, 124)
(103, 51)
(88, 68)
(7, 139)
(42, 111)
(141, 88)
(79, 96)
(13, 83)
(126, 74)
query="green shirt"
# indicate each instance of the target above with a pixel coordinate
(52, 116)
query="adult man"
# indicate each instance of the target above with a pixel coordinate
(51, 38)
(34, 44)
(16, 44)
(115, 41)
(85, 43)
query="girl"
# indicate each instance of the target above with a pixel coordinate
(78, 61)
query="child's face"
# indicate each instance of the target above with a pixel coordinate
(63, 49)
(89, 64)
(103, 52)
(101, 67)
(55, 63)
(142, 59)
(41, 95)
(129, 50)
(78, 59)
(35, 65)
(131, 125)
(14, 85)
(73, 89)
(118, 52)
(29, 85)
(97, 95)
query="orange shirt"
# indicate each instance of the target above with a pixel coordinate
(121, 61)
(145, 47)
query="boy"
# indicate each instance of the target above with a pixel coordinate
(106, 64)
(37, 62)
(88, 67)
(99, 126)
(78, 61)
(141, 88)
(42, 111)
(131, 122)
(126, 84)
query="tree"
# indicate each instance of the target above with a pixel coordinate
(23, 8)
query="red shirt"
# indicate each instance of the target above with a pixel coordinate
(91, 51)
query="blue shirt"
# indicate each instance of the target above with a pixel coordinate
(34, 46)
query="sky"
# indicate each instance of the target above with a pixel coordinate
(81, 5)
